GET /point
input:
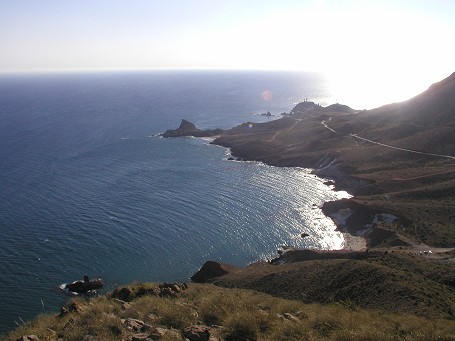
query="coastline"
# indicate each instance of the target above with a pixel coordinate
(396, 170)
(330, 174)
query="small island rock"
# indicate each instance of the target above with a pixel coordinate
(187, 128)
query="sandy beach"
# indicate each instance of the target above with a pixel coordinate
(354, 243)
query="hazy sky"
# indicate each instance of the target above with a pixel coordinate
(359, 38)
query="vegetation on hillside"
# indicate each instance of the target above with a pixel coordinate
(204, 311)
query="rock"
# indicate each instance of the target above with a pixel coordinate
(28, 338)
(123, 305)
(138, 326)
(141, 337)
(76, 307)
(211, 270)
(143, 291)
(123, 293)
(151, 333)
(171, 289)
(82, 287)
(197, 333)
(160, 332)
(73, 307)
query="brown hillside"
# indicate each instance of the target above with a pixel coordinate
(382, 281)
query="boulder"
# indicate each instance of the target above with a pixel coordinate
(123, 293)
(197, 333)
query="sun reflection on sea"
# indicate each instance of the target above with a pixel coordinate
(302, 224)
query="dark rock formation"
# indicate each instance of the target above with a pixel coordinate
(211, 270)
(187, 128)
(83, 287)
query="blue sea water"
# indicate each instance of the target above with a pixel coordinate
(87, 186)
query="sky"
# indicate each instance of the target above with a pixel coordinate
(407, 41)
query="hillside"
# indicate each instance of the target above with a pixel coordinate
(393, 281)
(205, 312)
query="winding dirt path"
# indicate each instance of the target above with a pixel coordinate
(273, 138)
(388, 145)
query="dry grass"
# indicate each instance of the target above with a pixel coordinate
(235, 314)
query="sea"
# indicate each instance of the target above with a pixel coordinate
(87, 186)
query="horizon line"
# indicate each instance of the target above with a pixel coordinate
(162, 68)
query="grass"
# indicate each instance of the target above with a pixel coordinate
(233, 314)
